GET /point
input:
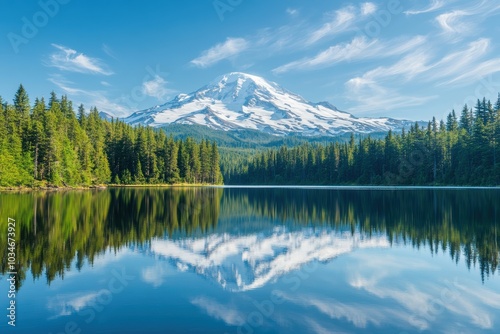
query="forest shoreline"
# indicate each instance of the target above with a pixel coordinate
(62, 188)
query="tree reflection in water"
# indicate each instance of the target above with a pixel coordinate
(56, 228)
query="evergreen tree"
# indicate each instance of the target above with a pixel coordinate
(170, 157)
(466, 120)
(22, 106)
(451, 122)
(205, 161)
(38, 139)
(215, 174)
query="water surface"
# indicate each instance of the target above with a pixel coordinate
(255, 260)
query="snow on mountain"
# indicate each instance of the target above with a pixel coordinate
(106, 116)
(243, 101)
(247, 262)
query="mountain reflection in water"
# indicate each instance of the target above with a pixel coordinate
(245, 238)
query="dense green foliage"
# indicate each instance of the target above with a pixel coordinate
(246, 139)
(50, 145)
(462, 151)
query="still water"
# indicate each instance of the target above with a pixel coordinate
(253, 260)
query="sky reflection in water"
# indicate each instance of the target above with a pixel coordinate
(261, 260)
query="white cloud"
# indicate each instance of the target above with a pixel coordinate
(67, 59)
(426, 301)
(454, 24)
(450, 22)
(64, 305)
(155, 275)
(433, 6)
(477, 72)
(359, 48)
(418, 63)
(368, 8)
(371, 96)
(230, 48)
(292, 11)
(156, 88)
(228, 314)
(409, 66)
(318, 328)
(342, 19)
(358, 314)
(330, 56)
(459, 62)
(374, 99)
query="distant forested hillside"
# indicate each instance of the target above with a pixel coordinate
(463, 150)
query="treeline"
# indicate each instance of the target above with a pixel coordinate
(460, 151)
(51, 145)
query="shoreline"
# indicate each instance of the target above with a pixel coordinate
(199, 185)
(101, 187)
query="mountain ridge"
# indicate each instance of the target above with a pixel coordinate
(237, 100)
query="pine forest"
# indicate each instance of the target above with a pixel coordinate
(49, 145)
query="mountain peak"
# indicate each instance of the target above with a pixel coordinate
(235, 76)
(239, 80)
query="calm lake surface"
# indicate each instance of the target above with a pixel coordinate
(254, 260)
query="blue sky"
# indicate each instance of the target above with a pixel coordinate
(405, 59)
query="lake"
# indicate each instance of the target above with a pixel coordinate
(253, 260)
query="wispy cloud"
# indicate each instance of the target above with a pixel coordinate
(292, 11)
(342, 19)
(372, 98)
(418, 63)
(218, 311)
(330, 56)
(407, 67)
(359, 315)
(359, 48)
(368, 8)
(370, 91)
(97, 98)
(467, 302)
(479, 71)
(433, 6)
(107, 50)
(67, 59)
(157, 88)
(155, 275)
(64, 305)
(454, 24)
(450, 22)
(231, 47)
(456, 63)
(318, 328)
(296, 37)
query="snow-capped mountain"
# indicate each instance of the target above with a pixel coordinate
(247, 262)
(243, 101)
